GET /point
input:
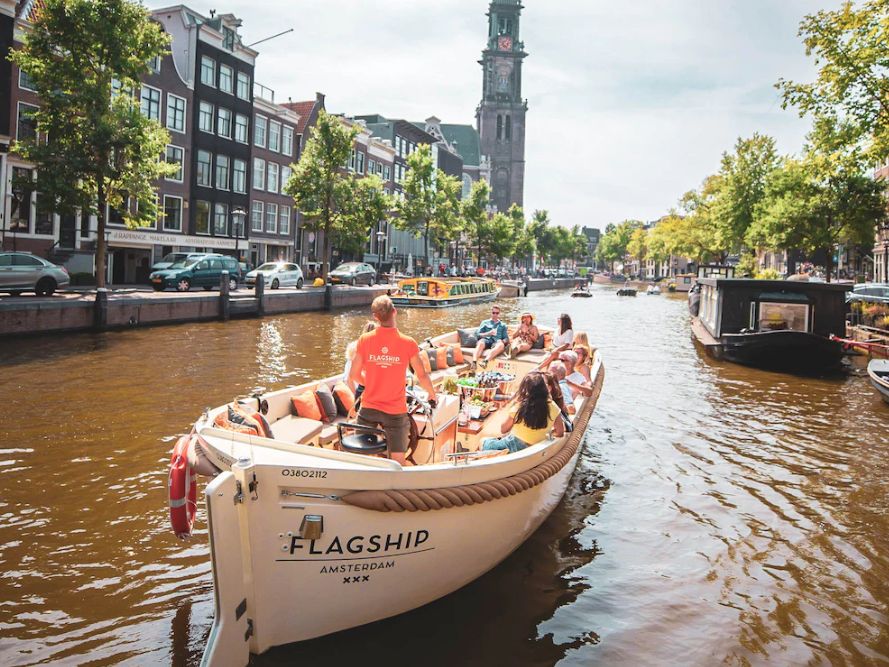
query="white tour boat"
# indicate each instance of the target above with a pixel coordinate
(307, 539)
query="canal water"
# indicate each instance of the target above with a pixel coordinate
(718, 514)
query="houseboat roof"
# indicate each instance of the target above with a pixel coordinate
(778, 285)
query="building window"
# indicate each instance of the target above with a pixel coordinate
(226, 79)
(352, 159)
(26, 125)
(20, 213)
(274, 136)
(224, 122)
(241, 128)
(271, 218)
(26, 82)
(228, 39)
(175, 113)
(508, 127)
(260, 123)
(205, 117)
(172, 214)
(284, 220)
(371, 165)
(151, 103)
(222, 169)
(387, 173)
(360, 163)
(43, 222)
(239, 176)
(258, 174)
(379, 170)
(202, 217)
(256, 217)
(244, 86)
(208, 71)
(287, 140)
(285, 176)
(175, 155)
(204, 169)
(272, 182)
(499, 127)
(220, 220)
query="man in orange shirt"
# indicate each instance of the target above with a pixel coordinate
(382, 359)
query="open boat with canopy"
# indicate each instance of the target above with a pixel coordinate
(309, 537)
(431, 292)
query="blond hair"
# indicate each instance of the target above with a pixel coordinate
(352, 347)
(382, 308)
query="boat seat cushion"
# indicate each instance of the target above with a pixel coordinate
(298, 429)
(468, 338)
(344, 398)
(326, 402)
(306, 405)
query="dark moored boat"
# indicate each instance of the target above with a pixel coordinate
(878, 372)
(775, 324)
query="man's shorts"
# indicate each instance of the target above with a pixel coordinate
(488, 342)
(396, 427)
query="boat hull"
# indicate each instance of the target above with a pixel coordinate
(878, 374)
(421, 302)
(780, 350)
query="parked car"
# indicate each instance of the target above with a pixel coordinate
(352, 273)
(24, 272)
(277, 274)
(199, 271)
(172, 257)
(870, 292)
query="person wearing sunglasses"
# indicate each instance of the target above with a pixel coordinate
(492, 339)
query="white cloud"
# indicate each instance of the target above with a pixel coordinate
(630, 104)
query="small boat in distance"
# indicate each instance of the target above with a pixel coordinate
(773, 324)
(626, 291)
(653, 289)
(878, 372)
(432, 292)
(581, 291)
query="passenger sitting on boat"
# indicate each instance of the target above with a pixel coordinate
(555, 393)
(530, 417)
(492, 336)
(525, 336)
(382, 359)
(575, 380)
(350, 354)
(584, 352)
(559, 372)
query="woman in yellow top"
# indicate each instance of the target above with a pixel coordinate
(532, 415)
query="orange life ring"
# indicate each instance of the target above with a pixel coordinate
(183, 490)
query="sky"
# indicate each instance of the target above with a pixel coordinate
(629, 104)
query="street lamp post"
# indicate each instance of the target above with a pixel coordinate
(238, 216)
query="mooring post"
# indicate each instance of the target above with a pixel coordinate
(100, 309)
(260, 294)
(224, 304)
(328, 298)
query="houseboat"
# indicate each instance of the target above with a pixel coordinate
(775, 324)
(682, 282)
(430, 292)
(313, 530)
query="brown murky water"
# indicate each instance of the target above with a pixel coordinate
(718, 515)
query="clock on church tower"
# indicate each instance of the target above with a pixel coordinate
(504, 42)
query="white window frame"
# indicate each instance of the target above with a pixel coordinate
(287, 134)
(23, 85)
(276, 126)
(219, 114)
(181, 210)
(217, 208)
(181, 163)
(260, 121)
(246, 126)
(202, 108)
(286, 172)
(284, 219)
(268, 180)
(231, 79)
(359, 162)
(176, 98)
(155, 64)
(204, 60)
(271, 214)
(242, 76)
(258, 170)
(223, 160)
(197, 173)
(160, 98)
(243, 187)
(257, 207)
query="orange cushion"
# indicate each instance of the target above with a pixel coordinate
(306, 406)
(458, 354)
(424, 359)
(441, 357)
(230, 420)
(345, 399)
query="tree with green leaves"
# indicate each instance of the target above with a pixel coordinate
(430, 207)
(698, 235)
(544, 235)
(319, 185)
(500, 236)
(474, 212)
(849, 45)
(94, 148)
(365, 207)
(822, 199)
(613, 244)
(638, 245)
(741, 186)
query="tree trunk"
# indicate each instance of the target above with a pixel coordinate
(101, 249)
(426, 244)
(829, 262)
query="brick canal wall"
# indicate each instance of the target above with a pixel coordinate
(77, 311)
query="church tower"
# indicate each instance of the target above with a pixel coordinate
(500, 116)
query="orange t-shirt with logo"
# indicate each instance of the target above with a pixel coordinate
(386, 354)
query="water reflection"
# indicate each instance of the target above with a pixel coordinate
(718, 514)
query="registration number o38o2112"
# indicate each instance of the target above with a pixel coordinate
(301, 472)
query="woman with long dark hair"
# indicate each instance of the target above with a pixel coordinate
(530, 417)
(565, 334)
(555, 393)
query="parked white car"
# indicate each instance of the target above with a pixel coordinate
(277, 274)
